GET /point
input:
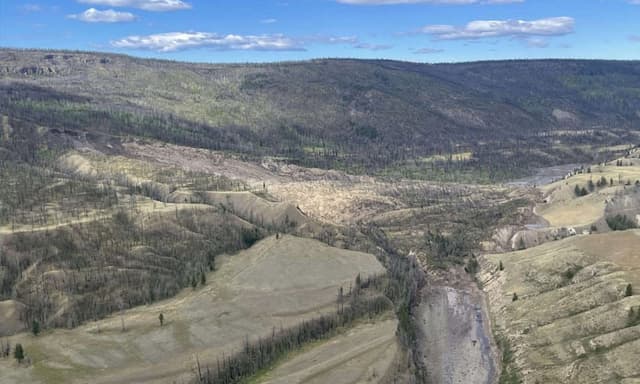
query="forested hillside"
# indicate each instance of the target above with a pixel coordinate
(499, 119)
(172, 210)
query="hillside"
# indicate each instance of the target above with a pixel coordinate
(565, 304)
(276, 284)
(572, 320)
(238, 199)
(331, 113)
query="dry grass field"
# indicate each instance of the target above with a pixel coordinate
(277, 283)
(571, 321)
(368, 353)
(564, 208)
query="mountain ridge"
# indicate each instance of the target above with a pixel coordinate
(358, 115)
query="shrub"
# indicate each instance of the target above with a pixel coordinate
(250, 236)
(472, 266)
(35, 327)
(579, 192)
(18, 353)
(620, 223)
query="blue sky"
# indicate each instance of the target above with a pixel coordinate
(275, 30)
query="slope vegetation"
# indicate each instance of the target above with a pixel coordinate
(354, 114)
(276, 283)
(572, 318)
(367, 353)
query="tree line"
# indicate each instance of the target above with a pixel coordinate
(361, 302)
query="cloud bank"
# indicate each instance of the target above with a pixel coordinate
(427, 51)
(479, 29)
(176, 41)
(146, 5)
(179, 41)
(93, 15)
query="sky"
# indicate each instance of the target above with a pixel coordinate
(284, 30)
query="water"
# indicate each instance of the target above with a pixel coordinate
(545, 175)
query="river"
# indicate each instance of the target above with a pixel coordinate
(545, 175)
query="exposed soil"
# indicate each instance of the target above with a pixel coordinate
(457, 340)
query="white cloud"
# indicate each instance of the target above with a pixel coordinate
(635, 38)
(427, 51)
(268, 21)
(175, 41)
(333, 39)
(352, 41)
(372, 47)
(93, 15)
(146, 5)
(478, 29)
(446, 2)
(536, 42)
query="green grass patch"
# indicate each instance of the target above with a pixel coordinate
(510, 373)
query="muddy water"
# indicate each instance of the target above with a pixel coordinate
(458, 348)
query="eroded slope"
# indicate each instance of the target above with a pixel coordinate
(571, 320)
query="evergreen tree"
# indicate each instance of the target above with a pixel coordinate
(35, 327)
(602, 182)
(18, 353)
(515, 297)
(628, 291)
(161, 318)
(194, 282)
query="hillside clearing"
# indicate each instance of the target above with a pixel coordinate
(276, 283)
(367, 353)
